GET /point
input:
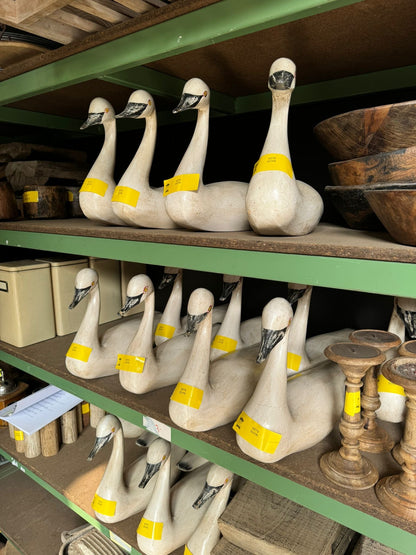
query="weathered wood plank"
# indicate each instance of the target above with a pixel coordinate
(224, 547)
(139, 6)
(53, 30)
(24, 151)
(70, 18)
(38, 172)
(99, 10)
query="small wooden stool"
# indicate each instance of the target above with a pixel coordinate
(347, 467)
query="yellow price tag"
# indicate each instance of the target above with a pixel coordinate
(164, 330)
(130, 363)
(92, 185)
(386, 386)
(259, 437)
(274, 162)
(126, 195)
(85, 408)
(19, 435)
(149, 529)
(104, 506)
(352, 402)
(293, 361)
(79, 352)
(188, 395)
(70, 196)
(184, 182)
(224, 343)
(187, 551)
(31, 196)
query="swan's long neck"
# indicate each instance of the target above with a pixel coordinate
(104, 164)
(277, 139)
(87, 333)
(113, 475)
(142, 342)
(196, 372)
(158, 509)
(298, 327)
(396, 324)
(230, 326)
(140, 166)
(193, 160)
(172, 313)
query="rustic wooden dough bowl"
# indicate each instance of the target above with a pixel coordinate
(369, 130)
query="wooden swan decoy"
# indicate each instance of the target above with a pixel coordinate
(118, 495)
(91, 356)
(97, 190)
(174, 513)
(284, 415)
(191, 204)
(211, 394)
(191, 461)
(277, 203)
(143, 368)
(134, 201)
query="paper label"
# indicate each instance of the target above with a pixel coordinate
(188, 395)
(149, 529)
(70, 196)
(164, 330)
(92, 185)
(31, 196)
(126, 195)
(156, 427)
(130, 363)
(116, 539)
(79, 352)
(293, 361)
(4, 286)
(85, 408)
(19, 435)
(224, 344)
(274, 162)
(184, 182)
(187, 551)
(386, 386)
(104, 506)
(259, 437)
(352, 404)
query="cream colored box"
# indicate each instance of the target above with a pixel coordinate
(26, 305)
(110, 287)
(129, 270)
(64, 270)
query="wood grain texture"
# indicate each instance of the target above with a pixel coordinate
(224, 547)
(51, 202)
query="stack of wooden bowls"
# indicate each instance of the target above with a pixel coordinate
(375, 149)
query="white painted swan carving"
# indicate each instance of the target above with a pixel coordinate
(97, 190)
(134, 201)
(118, 495)
(277, 203)
(191, 204)
(174, 513)
(284, 416)
(211, 394)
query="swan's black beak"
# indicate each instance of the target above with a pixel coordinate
(149, 472)
(409, 319)
(207, 493)
(167, 279)
(186, 102)
(294, 295)
(79, 295)
(132, 110)
(192, 322)
(227, 289)
(98, 445)
(281, 80)
(130, 303)
(93, 119)
(269, 339)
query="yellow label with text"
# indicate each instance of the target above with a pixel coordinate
(70, 196)
(293, 361)
(126, 195)
(85, 408)
(164, 330)
(130, 363)
(187, 551)
(19, 435)
(104, 506)
(188, 395)
(352, 404)
(259, 437)
(92, 185)
(149, 529)
(224, 343)
(386, 386)
(184, 182)
(79, 352)
(274, 162)
(31, 196)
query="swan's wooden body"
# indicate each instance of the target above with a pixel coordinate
(118, 495)
(277, 203)
(210, 394)
(134, 201)
(191, 204)
(97, 190)
(283, 415)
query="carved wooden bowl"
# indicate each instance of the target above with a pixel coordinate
(369, 130)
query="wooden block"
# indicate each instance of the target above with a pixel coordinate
(24, 151)
(38, 172)
(368, 546)
(266, 523)
(224, 547)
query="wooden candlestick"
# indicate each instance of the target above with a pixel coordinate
(49, 439)
(347, 467)
(408, 348)
(374, 439)
(398, 493)
(19, 437)
(69, 426)
(32, 445)
(96, 413)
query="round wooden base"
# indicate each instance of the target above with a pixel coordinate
(397, 497)
(358, 474)
(376, 440)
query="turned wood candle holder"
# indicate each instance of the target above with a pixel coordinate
(347, 467)
(408, 348)
(398, 493)
(374, 439)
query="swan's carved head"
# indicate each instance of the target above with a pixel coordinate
(139, 289)
(406, 309)
(296, 291)
(282, 75)
(99, 112)
(107, 427)
(169, 276)
(139, 105)
(200, 304)
(157, 455)
(217, 478)
(276, 318)
(195, 95)
(229, 283)
(85, 281)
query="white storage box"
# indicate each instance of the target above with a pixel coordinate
(64, 270)
(26, 305)
(129, 270)
(110, 287)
